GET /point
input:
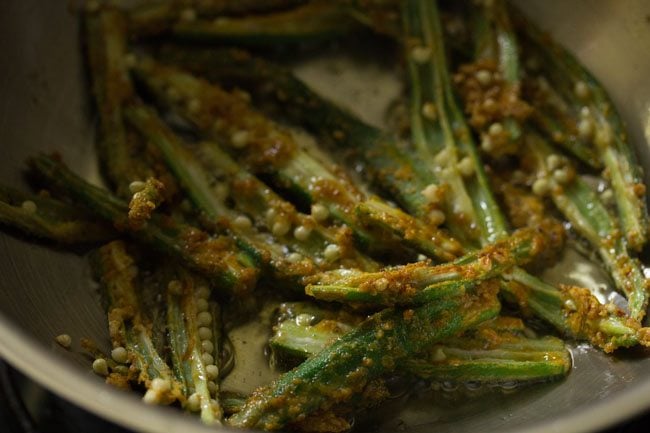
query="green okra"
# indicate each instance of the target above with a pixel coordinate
(591, 104)
(197, 178)
(218, 258)
(251, 137)
(313, 21)
(374, 348)
(565, 308)
(421, 236)
(496, 45)
(419, 283)
(494, 353)
(48, 218)
(192, 357)
(305, 106)
(516, 359)
(590, 218)
(156, 17)
(119, 151)
(117, 272)
(445, 139)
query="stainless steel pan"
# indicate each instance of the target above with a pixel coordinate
(45, 292)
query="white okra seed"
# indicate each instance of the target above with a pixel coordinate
(294, 258)
(562, 175)
(120, 355)
(207, 346)
(436, 217)
(541, 186)
(204, 318)
(212, 371)
(495, 129)
(553, 161)
(29, 207)
(270, 215)
(203, 292)
(242, 222)
(64, 340)
(100, 367)
(420, 54)
(581, 90)
(439, 355)
(160, 385)
(487, 144)
(332, 252)
(431, 193)
(381, 284)
(585, 128)
(175, 287)
(207, 359)
(466, 167)
(304, 319)
(570, 305)
(319, 212)
(281, 227)
(194, 105)
(239, 139)
(607, 196)
(194, 402)
(302, 233)
(205, 333)
(484, 77)
(151, 397)
(121, 369)
(429, 111)
(202, 305)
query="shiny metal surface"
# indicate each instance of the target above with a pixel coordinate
(45, 292)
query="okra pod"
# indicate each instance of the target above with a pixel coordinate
(601, 123)
(313, 21)
(128, 328)
(566, 309)
(263, 146)
(216, 257)
(270, 250)
(112, 88)
(490, 86)
(588, 215)
(418, 283)
(374, 348)
(48, 218)
(156, 17)
(193, 357)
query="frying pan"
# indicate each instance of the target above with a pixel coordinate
(44, 291)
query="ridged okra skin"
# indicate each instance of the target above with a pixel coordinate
(216, 257)
(496, 352)
(130, 328)
(159, 17)
(264, 147)
(375, 347)
(602, 128)
(419, 283)
(51, 219)
(581, 206)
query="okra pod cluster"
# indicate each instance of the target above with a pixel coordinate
(231, 184)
